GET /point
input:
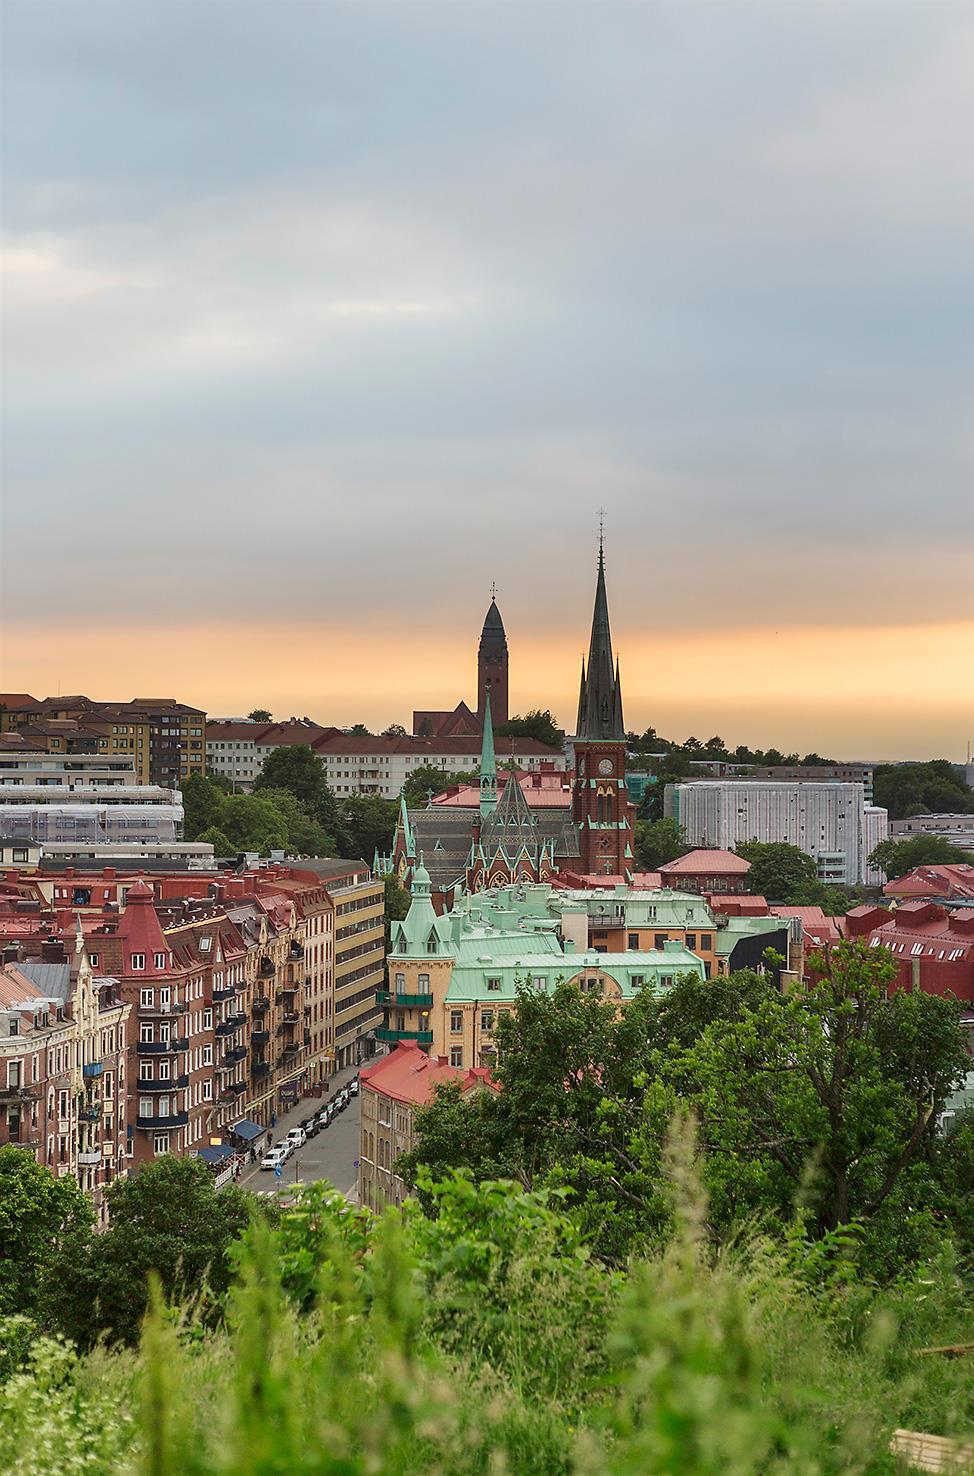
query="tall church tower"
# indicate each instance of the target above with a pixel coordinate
(600, 801)
(492, 668)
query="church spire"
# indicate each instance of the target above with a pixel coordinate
(600, 699)
(488, 764)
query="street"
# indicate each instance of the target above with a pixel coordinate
(331, 1155)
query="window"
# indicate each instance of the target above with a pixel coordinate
(137, 962)
(706, 941)
(165, 1070)
(424, 983)
(666, 980)
(207, 1091)
(456, 1021)
(493, 984)
(207, 1055)
(638, 980)
(20, 853)
(160, 1143)
(634, 940)
(207, 1019)
(401, 982)
(658, 941)
(159, 959)
(456, 1055)
(165, 995)
(540, 981)
(487, 1020)
(93, 960)
(146, 1034)
(205, 945)
(691, 941)
(147, 998)
(145, 1106)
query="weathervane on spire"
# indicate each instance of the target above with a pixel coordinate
(493, 589)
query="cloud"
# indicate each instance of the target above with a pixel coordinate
(341, 306)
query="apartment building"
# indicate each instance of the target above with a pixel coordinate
(828, 821)
(820, 774)
(241, 997)
(71, 806)
(392, 1089)
(63, 1085)
(164, 738)
(237, 747)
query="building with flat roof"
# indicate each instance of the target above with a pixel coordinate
(957, 829)
(828, 821)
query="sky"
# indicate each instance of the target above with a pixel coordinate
(319, 318)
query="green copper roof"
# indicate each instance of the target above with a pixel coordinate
(520, 960)
(488, 764)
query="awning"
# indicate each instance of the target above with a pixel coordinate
(217, 1153)
(247, 1130)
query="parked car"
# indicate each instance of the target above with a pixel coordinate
(286, 1147)
(310, 1127)
(353, 1087)
(272, 1158)
(297, 1137)
(324, 1118)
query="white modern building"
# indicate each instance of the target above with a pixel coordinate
(958, 829)
(830, 821)
(80, 800)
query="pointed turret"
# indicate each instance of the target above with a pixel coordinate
(492, 666)
(488, 765)
(600, 699)
(407, 830)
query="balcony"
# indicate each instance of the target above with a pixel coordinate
(160, 1047)
(19, 1094)
(175, 1084)
(90, 1159)
(92, 1069)
(165, 1010)
(307, 1037)
(155, 1124)
(259, 1069)
(296, 950)
(404, 1001)
(90, 1113)
(230, 1024)
(226, 992)
(259, 1037)
(237, 1054)
(291, 1017)
(267, 968)
(261, 1004)
(423, 1037)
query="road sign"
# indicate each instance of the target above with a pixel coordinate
(278, 1171)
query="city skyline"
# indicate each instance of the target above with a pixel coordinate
(313, 330)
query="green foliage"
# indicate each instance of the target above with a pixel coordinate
(259, 715)
(534, 724)
(921, 789)
(297, 768)
(777, 869)
(168, 1220)
(897, 858)
(487, 1340)
(659, 841)
(40, 1218)
(218, 839)
(428, 777)
(394, 730)
(369, 824)
(284, 816)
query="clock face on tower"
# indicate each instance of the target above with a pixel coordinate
(605, 766)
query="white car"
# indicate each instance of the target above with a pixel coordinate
(297, 1137)
(272, 1158)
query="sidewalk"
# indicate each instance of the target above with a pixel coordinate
(305, 1107)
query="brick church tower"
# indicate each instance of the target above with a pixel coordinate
(492, 668)
(600, 801)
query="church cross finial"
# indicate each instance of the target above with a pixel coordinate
(493, 589)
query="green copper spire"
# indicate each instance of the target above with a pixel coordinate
(488, 765)
(407, 829)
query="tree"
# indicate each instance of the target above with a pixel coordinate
(167, 1219)
(776, 869)
(297, 768)
(897, 858)
(259, 715)
(921, 789)
(659, 841)
(218, 839)
(202, 805)
(40, 1217)
(831, 1097)
(534, 724)
(425, 778)
(305, 837)
(369, 824)
(394, 730)
(359, 730)
(252, 822)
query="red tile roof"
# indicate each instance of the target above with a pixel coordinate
(409, 1075)
(950, 881)
(707, 863)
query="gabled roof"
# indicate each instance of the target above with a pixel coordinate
(409, 1075)
(707, 863)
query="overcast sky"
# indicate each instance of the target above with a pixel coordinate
(319, 318)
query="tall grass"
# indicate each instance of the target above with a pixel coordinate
(487, 1343)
